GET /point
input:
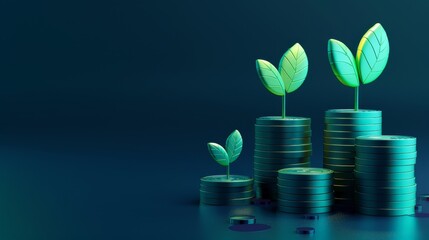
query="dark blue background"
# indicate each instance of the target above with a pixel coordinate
(106, 106)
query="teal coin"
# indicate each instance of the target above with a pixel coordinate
(282, 154)
(398, 156)
(305, 173)
(340, 168)
(224, 181)
(339, 141)
(342, 181)
(384, 197)
(231, 202)
(385, 162)
(385, 150)
(294, 183)
(278, 120)
(262, 173)
(302, 147)
(348, 134)
(375, 176)
(303, 210)
(390, 183)
(384, 169)
(305, 204)
(301, 190)
(353, 121)
(386, 190)
(280, 161)
(275, 167)
(305, 197)
(386, 212)
(215, 189)
(351, 113)
(242, 219)
(282, 141)
(387, 141)
(279, 128)
(209, 195)
(282, 135)
(338, 148)
(336, 154)
(339, 161)
(353, 128)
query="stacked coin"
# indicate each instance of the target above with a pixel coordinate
(221, 190)
(385, 181)
(305, 190)
(279, 143)
(342, 126)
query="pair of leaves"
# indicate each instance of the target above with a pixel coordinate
(371, 58)
(293, 69)
(234, 145)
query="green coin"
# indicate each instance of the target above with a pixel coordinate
(398, 156)
(305, 173)
(275, 167)
(353, 121)
(344, 175)
(384, 197)
(375, 176)
(351, 113)
(384, 169)
(282, 154)
(342, 181)
(338, 148)
(385, 162)
(353, 128)
(215, 189)
(231, 202)
(294, 183)
(265, 173)
(386, 190)
(301, 190)
(336, 154)
(348, 134)
(390, 183)
(386, 212)
(282, 141)
(387, 141)
(223, 181)
(280, 161)
(385, 150)
(340, 168)
(303, 210)
(305, 197)
(305, 204)
(283, 129)
(278, 120)
(339, 161)
(209, 195)
(339, 141)
(302, 147)
(282, 135)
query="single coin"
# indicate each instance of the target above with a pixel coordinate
(424, 197)
(283, 154)
(339, 148)
(304, 191)
(304, 204)
(386, 212)
(275, 167)
(335, 154)
(215, 189)
(305, 173)
(385, 197)
(385, 183)
(341, 181)
(288, 148)
(305, 230)
(353, 128)
(304, 210)
(236, 201)
(396, 156)
(394, 205)
(282, 141)
(353, 121)
(345, 175)
(295, 183)
(384, 169)
(348, 134)
(226, 195)
(282, 135)
(380, 162)
(377, 176)
(242, 219)
(386, 140)
(340, 168)
(305, 197)
(278, 120)
(280, 161)
(351, 113)
(339, 161)
(279, 128)
(386, 190)
(385, 150)
(224, 181)
(339, 141)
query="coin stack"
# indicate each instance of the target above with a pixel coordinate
(342, 126)
(305, 190)
(385, 182)
(279, 143)
(221, 190)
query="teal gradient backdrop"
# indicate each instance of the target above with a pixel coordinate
(107, 106)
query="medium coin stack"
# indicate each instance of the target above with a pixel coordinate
(342, 126)
(305, 190)
(385, 181)
(221, 190)
(279, 143)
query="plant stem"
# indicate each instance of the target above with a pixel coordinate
(284, 106)
(227, 172)
(356, 98)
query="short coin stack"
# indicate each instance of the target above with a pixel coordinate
(279, 143)
(305, 190)
(342, 126)
(220, 190)
(385, 181)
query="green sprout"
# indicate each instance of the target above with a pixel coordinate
(293, 69)
(226, 156)
(371, 59)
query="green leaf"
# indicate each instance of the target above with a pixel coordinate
(218, 153)
(270, 77)
(372, 54)
(234, 145)
(293, 67)
(343, 63)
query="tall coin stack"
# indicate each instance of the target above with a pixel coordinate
(342, 126)
(385, 182)
(305, 190)
(279, 143)
(221, 190)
